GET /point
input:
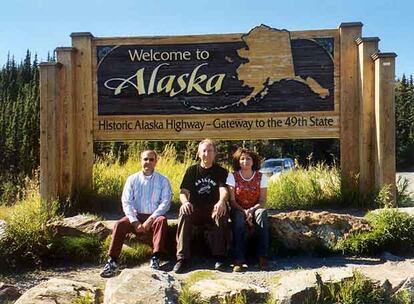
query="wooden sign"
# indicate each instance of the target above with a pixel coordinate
(265, 84)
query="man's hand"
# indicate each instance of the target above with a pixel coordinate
(186, 208)
(138, 227)
(219, 209)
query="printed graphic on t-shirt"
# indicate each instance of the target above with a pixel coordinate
(204, 185)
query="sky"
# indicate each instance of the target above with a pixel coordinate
(43, 25)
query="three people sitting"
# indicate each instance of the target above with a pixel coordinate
(205, 192)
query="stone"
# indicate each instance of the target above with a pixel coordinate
(297, 287)
(392, 275)
(58, 291)
(80, 225)
(312, 231)
(216, 291)
(147, 286)
(8, 293)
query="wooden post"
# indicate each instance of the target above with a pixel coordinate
(367, 47)
(385, 120)
(349, 102)
(83, 128)
(66, 56)
(49, 139)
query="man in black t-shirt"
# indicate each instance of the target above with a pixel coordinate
(203, 199)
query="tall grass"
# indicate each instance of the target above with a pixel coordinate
(320, 186)
(26, 239)
(109, 178)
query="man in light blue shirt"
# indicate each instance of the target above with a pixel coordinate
(145, 200)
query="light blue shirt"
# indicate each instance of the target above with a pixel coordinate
(146, 194)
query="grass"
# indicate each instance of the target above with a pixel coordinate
(85, 248)
(392, 231)
(26, 238)
(358, 289)
(134, 254)
(320, 186)
(188, 297)
(109, 178)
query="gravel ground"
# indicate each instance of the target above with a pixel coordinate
(90, 273)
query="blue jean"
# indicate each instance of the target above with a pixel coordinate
(241, 233)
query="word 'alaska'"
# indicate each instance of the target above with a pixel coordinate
(170, 84)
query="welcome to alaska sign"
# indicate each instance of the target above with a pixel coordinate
(266, 83)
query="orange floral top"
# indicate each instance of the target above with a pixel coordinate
(247, 192)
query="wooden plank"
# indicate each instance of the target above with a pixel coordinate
(49, 140)
(208, 38)
(66, 56)
(385, 120)
(349, 100)
(367, 47)
(83, 108)
(232, 126)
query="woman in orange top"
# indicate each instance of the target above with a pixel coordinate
(248, 193)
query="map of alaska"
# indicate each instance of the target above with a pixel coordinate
(270, 60)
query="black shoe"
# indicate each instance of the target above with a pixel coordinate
(155, 263)
(181, 266)
(111, 269)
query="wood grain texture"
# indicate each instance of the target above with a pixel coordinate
(367, 47)
(49, 137)
(349, 102)
(385, 120)
(84, 110)
(66, 57)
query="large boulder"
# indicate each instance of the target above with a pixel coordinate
(8, 293)
(80, 225)
(141, 286)
(217, 291)
(297, 287)
(58, 291)
(312, 231)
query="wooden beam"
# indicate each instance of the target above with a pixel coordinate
(49, 139)
(366, 47)
(82, 42)
(349, 100)
(66, 56)
(385, 120)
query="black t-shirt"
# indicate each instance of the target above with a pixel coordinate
(204, 184)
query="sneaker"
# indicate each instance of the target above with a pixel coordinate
(110, 269)
(181, 266)
(219, 265)
(239, 267)
(155, 263)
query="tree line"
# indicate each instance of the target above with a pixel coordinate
(20, 131)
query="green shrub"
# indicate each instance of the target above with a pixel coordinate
(77, 248)
(392, 231)
(26, 238)
(134, 254)
(86, 299)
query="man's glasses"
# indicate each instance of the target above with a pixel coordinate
(151, 159)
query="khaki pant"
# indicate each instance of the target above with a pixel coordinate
(217, 232)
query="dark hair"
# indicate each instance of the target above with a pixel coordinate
(236, 159)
